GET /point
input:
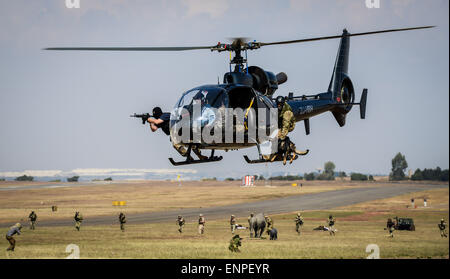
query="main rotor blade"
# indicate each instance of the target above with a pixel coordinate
(340, 36)
(130, 48)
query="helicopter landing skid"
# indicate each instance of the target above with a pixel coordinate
(190, 161)
(262, 160)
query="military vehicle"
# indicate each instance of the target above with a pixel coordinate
(405, 224)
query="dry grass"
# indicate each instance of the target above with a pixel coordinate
(164, 241)
(144, 196)
(358, 225)
(437, 199)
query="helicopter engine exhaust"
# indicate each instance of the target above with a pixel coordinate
(266, 82)
(281, 78)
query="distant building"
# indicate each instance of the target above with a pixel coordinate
(248, 180)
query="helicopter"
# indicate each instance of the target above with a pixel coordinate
(250, 88)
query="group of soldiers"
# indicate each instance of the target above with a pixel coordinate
(79, 219)
(235, 241)
(33, 218)
(201, 223)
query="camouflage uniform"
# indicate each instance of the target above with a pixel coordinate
(122, 221)
(442, 227)
(286, 122)
(269, 223)
(78, 219)
(330, 223)
(233, 223)
(180, 222)
(390, 226)
(298, 222)
(9, 236)
(33, 218)
(183, 151)
(201, 224)
(235, 242)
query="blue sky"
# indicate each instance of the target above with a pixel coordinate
(68, 110)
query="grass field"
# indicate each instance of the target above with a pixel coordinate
(358, 226)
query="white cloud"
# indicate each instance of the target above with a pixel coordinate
(213, 8)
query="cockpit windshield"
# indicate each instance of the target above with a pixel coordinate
(207, 98)
(214, 97)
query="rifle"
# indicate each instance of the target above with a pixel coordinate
(143, 116)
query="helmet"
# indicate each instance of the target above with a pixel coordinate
(201, 215)
(280, 100)
(18, 225)
(232, 215)
(157, 112)
(298, 214)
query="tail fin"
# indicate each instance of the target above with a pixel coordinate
(340, 71)
(339, 77)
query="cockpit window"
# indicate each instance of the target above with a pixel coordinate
(214, 97)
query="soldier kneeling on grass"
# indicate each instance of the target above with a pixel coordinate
(9, 236)
(235, 242)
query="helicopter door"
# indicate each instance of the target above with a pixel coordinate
(266, 104)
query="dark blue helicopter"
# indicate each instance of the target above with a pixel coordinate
(250, 88)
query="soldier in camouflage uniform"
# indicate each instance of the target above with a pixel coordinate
(330, 223)
(269, 223)
(298, 222)
(390, 227)
(9, 236)
(201, 224)
(122, 221)
(78, 219)
(233, 223)
(33, 218)
(180, 222)
(442, 227)
(286, 124)
(235, 242)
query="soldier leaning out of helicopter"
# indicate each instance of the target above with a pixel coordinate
(286, 124)
(161, 121)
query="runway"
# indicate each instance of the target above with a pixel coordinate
(316, 201)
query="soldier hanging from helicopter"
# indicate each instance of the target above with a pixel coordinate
(286, 124)
(161, 121)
